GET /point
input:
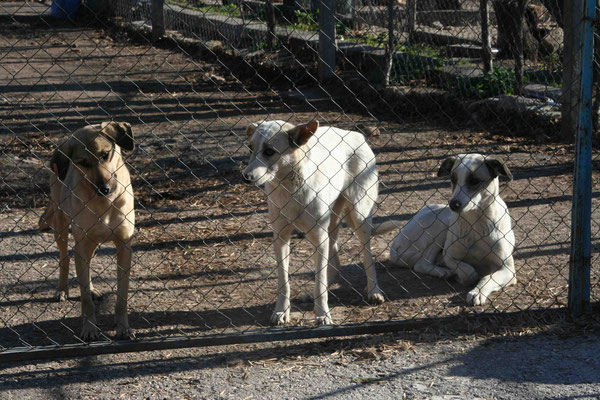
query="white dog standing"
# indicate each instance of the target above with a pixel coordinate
(470, 237)
(314, 178)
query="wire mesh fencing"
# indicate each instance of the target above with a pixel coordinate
(420, 81)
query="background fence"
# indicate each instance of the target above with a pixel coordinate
(203, 262)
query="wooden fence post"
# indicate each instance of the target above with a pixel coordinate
(157, 17)
(411, 16)
(327, 45)
(486, 40)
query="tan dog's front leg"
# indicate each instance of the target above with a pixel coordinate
(281, 246)
(320, 241)
(124, 255)
(84, 250)
(61, 235)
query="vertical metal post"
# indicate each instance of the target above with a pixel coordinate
(157, 17)
(289, 9)
(579, 22)
(270, 23)
(486, 39)
(326, 39)
(519, 37)
(391, 45)
(411, 16)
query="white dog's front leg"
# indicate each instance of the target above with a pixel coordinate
(424, 266)
(505, 276)
(281, 246)
(321, 242)
(465, 273)
(374, 292)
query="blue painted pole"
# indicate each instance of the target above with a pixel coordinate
(579, 272)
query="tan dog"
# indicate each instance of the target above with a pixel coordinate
(90, 192)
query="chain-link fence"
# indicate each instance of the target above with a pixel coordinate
(422, 81)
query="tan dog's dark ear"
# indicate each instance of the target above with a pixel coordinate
(251, 128)
(300, 134)
(61, 159)
(446, 166)
(121, 134)
(498, 168)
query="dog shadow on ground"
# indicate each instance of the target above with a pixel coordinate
(348, 295)
(397, 283)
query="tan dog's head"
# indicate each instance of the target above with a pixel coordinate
(273, 144)
(95, 153)
(474, 180)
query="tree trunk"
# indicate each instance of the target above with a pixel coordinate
(507, 17)
(428, 5)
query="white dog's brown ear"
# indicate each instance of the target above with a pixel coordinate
(446, 166)
(251, 128)
(300, 134)
(121, 134)
(498, 168)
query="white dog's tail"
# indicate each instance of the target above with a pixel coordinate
(386, 226)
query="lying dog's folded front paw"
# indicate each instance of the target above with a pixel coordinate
(280, 318)
(476, 298)
(324, 319)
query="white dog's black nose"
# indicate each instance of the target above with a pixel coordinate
(455, 205)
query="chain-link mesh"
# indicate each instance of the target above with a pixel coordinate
(203, 260)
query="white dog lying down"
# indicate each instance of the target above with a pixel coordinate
(314, 178)
(470, 237)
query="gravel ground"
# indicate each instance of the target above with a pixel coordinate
(538, 366)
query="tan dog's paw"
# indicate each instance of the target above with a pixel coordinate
(61, 295)
(324, 319)
(280, 318)
(376, 297)
(89, 332)
(476, 298)
(124, 333)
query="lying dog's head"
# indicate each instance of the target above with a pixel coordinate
(95, 153)
(474, 180)
(273, 145)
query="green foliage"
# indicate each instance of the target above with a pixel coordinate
(306, 20)
(553, 62)
(499, 81)
(381, 40)
(227, 9)
(410, 70)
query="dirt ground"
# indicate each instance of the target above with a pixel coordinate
(538, 366)
(203, 262)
